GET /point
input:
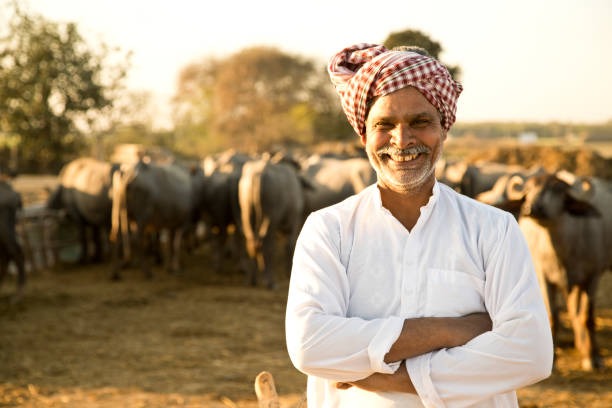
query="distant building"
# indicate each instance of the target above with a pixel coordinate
(527, 137)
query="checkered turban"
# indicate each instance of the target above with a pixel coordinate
(363, 72)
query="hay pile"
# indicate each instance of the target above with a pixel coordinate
(582, 162)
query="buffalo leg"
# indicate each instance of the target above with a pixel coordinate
(597, 360)
(3, 268)
(264, 264)
(118, 259)
(84, 240)
(121, 254)
(250, 270)
(553, 310)
(19, 260)
(175, 241)
(15, 253)
(579, 306)
(98, 255)
(146, 243)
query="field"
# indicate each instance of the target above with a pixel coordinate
(197, 339)
(193, 340)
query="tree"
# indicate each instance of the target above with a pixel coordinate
(419, 39)
(131, 120)
(52, 87)
(254, 99)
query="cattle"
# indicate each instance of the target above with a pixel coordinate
(450, 172)
(503, 195)
(333, 179)
(568, 242)
(227, 161)
(480, 177)
(216, 202)
(601, 199)
(157, 201)
(217, 209)
(271, 201)
(83, 192)
(10, 248)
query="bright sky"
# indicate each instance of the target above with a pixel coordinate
(522, 60)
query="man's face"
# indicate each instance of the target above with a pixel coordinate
(403, 140)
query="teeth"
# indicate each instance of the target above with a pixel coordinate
(404, 158)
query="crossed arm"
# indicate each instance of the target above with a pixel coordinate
(420, 336)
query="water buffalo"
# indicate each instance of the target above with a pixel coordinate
(216, 201)
(450, 172)
(334, 179)
(10, 248)
(504, 194)
(227, 161)
(83, 192)
(602, 200)
(157, 201)
(567, 239)
(480, 177)
(271, 200)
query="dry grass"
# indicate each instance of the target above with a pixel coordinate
(198, 339)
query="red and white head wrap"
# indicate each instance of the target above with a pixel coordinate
(365, 71)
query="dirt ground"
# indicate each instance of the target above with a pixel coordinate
(192, 340)
(197, 339)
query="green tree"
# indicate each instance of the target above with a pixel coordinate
(419, 39)
(53, 87)
(255, 99)
(131, 120)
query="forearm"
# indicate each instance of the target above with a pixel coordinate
(420, 336)
(426, 334)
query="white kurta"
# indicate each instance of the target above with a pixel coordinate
(358, 273)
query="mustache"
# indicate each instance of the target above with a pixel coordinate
(392, 151)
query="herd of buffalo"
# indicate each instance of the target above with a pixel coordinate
(242, 203)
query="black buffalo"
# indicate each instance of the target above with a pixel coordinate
(10, 249)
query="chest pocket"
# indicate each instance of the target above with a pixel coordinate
(453, 293)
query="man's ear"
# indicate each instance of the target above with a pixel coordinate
(363, 139)
(443, 136)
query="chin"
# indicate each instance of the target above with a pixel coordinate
(409, 183)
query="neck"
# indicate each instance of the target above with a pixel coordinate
(406, 205)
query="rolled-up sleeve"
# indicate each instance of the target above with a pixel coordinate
(321, 340)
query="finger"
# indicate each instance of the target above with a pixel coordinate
(343, 385)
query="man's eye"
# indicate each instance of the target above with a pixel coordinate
(383, 125)
(420, 123)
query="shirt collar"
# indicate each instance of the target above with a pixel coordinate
(427, 207)
(426, 210)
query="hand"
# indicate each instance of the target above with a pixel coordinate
(377, 382)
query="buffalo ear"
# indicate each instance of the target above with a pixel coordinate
(580, 208)
(578, 198)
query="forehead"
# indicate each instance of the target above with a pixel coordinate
(406, 101)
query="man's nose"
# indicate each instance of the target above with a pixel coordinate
(402, 136)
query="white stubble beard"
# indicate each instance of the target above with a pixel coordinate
(408, 181)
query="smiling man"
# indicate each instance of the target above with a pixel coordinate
(409, 294)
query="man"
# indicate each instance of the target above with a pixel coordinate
(409, 294)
